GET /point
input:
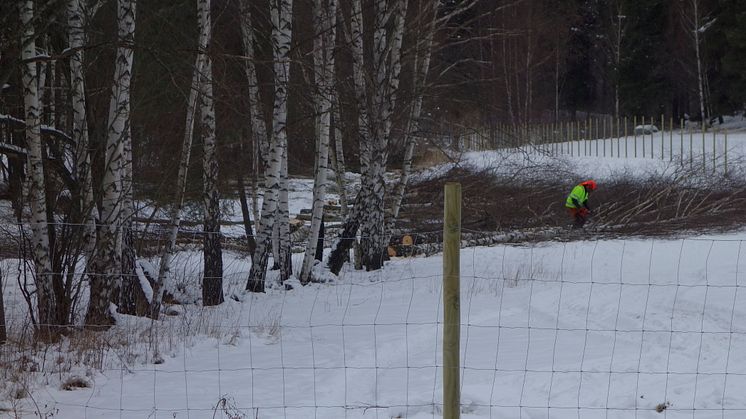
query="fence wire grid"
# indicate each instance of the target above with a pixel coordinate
(585, 329)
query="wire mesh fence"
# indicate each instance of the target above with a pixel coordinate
(583, 329)
(619, 138)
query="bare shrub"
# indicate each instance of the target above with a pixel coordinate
(74, 383)
(681, 198)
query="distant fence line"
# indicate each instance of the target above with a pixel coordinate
(627, 137)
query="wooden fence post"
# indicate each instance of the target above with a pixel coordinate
(603, 135)
(634, 130)
(596, 136)
(652, 136)
(714, 151)
(663, 136)
(725, 153)
(611, 136)
(681, 146)
(670, 139)
(626, 140)
(704, 149)
(691, 148)
(451, 300)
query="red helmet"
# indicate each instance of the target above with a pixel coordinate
(589, 184)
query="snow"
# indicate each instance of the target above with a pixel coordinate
(665, 317)
(587, 329)
(596, 159)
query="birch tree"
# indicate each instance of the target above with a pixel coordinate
(421, 71)
(47, 310)
(82, 160)
(338, 157)
(614, 37)
(387, 66)
(323, 59)
(347, 237)
(3, 334)
(284, 260)
(696, 24)
(281, 15)
(164, 271)
(260, 141)
(107, 266)
(376, 102)
(212, 280)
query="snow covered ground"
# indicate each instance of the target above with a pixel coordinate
(590, 329)
(587, 161)
(562, 330)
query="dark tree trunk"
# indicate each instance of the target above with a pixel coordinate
(132, 298)
(346, 239)
(372, 229)
(320, 243)
(246, 212)
(212, 283)
(3, 336)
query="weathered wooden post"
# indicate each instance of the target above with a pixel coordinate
(670, 139)
(663, 136)
(681, 146)
(725, 153)
(451, 300)
(691, 148)
(603, 135)
(626, 140)
(634, 130)
(652, 137)
(704, 149)
(714, 150)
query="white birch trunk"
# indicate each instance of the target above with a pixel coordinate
(387, 59)
(164, 271)
(368, 212)
(82, 158)
(258, 124)
(130, 289)
(281, 11)
(420, 79)
(338, 159)
(212, 280)
(348, 236)
(324, 43)
(260, 141)
(283, 221)
(697, 47)
(108, 260)
(3, 334)
(47, 310)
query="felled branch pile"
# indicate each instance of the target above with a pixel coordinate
(501, 210)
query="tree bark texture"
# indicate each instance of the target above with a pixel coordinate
(3, 334)
(422, 68)
(258, 121)
(82, 158)
(212, 280)
(169, 250)
(281, 15)
(47, 310)
(387, 68)
(107, 266)
(324, 43)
